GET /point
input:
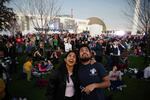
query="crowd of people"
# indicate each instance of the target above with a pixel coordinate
(83, 68)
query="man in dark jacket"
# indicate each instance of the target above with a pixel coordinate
(99, 51)
(117, 50)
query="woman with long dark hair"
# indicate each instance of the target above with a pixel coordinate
(63, 82)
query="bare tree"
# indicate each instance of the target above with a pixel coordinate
(40, 12)
(6, 15)
(141, 9)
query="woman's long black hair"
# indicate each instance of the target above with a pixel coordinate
(62, 66)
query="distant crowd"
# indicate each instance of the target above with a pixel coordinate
(53, 46)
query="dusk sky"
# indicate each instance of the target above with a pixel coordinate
(110, 11)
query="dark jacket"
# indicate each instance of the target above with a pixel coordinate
(115, 50)
(57, 84)
(98, 49)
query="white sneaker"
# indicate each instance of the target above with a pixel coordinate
(24, 99)
(119, 88)
(123, 86)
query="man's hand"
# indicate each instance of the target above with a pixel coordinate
(89, 88)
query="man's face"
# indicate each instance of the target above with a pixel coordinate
(100, 41)
(85, 54)
(116, 42)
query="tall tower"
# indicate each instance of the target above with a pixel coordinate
(136, 17)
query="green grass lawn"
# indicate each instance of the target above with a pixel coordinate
(136, 89)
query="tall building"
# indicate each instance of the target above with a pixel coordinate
(136, 17)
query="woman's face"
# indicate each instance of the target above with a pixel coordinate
(70, 59)
(114, 68)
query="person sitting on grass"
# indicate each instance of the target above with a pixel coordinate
(147, 72)
(48, 65)
(45, 66)
(116, 79)
(56, 55)
(27, 68)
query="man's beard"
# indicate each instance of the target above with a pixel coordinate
(85, 59)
